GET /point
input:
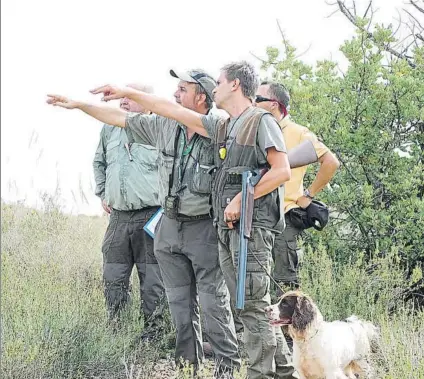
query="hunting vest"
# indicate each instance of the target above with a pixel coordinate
(241, 156)
(191, 172)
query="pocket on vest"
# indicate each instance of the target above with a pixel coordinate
(200, 181)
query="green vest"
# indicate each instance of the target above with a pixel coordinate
(242, 156)
(194, 166)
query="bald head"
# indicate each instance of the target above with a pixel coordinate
(141, 87)
(130, 105)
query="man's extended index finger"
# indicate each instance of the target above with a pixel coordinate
(97, 90)
(51, 96)
(51, 99)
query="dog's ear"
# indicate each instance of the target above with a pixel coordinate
(304, 313)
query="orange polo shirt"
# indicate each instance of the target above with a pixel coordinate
(295, 134)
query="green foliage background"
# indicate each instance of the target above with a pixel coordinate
(371, 116)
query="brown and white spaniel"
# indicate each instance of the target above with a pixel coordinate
(330, 350)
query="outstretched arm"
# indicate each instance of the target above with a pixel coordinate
(163, 107)
(105, 114)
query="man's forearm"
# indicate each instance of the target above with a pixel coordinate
(273, 179)
(168, 109)
(278, 174)
(327, 170)
(107, 115)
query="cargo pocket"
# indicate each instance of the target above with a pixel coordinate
(165, 159)
(257, 285)
(200, 180)
(165, 162)
(258, 264)
(232, 179)
(295, 258)
(112, 151)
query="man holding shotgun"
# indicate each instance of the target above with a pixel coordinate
(250, 140)
(185, 242)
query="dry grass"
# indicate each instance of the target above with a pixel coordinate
(54, 320)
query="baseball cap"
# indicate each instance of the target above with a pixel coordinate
(197, 76)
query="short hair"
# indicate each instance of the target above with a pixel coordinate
(199, 90)
(279, 93)
(246, 73)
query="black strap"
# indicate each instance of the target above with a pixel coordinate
(171, 175)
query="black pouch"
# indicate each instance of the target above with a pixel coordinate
(172, 206)
(315, 215)
(318, 214)
(299, 218)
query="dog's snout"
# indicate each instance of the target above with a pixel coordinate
(270, 312)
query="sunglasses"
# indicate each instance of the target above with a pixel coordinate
(261, 99)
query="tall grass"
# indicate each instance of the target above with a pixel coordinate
(54, 323)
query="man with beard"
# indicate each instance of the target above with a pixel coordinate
(250, 140)
(186, 244)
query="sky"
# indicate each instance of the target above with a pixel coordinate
(68, 48)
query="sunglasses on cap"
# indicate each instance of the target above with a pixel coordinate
(261, 99)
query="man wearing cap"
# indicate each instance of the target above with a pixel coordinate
(274, 98)
(186, 244)
(127, 184)
(250, 140)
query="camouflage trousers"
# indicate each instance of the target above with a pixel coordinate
(267, 350)
(126, 245)
(187, 253)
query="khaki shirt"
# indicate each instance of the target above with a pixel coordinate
(295, 134)
(126, 179)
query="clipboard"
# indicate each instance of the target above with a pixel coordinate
(150, 225)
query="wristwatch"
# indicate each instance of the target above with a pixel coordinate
(308, 194)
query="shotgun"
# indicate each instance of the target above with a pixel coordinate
(301, 155)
